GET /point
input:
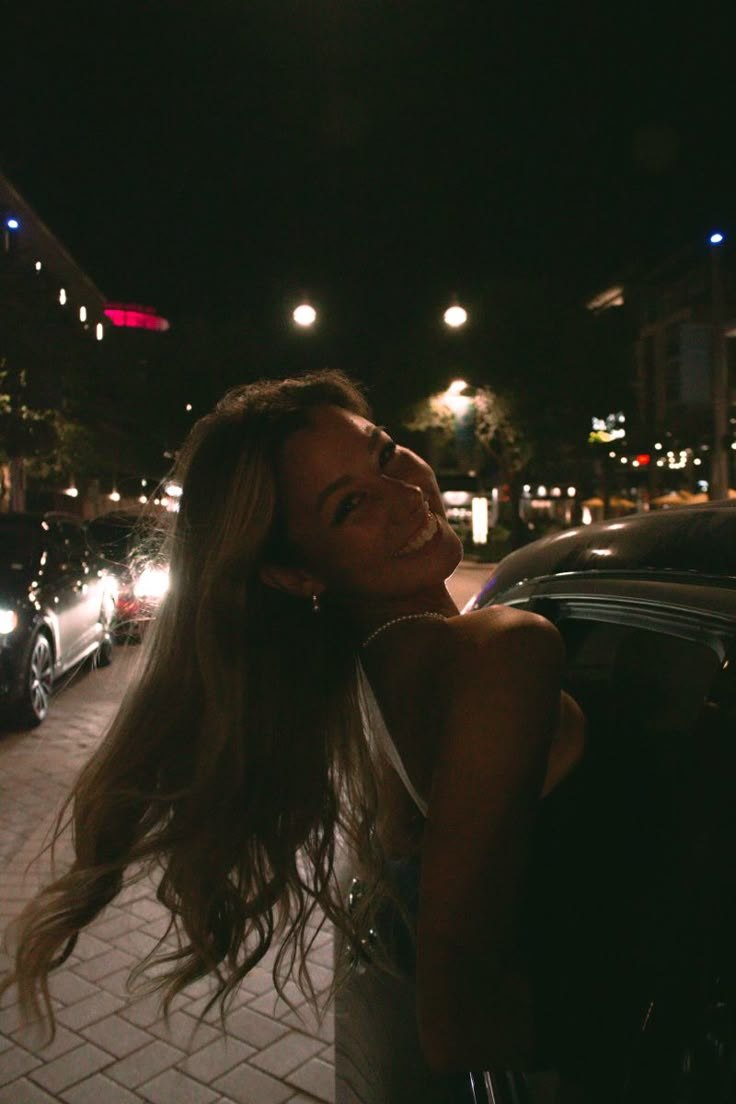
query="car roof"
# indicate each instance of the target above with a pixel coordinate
(688, 539)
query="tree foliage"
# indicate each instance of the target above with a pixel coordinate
(498, 431)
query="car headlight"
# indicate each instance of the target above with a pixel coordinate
(152, 583)
(8, 621)
(110, 586)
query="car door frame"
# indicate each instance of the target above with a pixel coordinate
(703, 611)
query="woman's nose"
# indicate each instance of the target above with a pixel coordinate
(408, 498)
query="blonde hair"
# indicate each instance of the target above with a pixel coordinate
(237, 762)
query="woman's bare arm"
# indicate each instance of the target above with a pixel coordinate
(473, 1005)
(568, 743)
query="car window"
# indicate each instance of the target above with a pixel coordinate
(55, 542)
(644, 891)
(73, 541)
(645, 676)
(132, 541)
(110, 539)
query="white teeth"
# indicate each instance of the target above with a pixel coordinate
(425, 534)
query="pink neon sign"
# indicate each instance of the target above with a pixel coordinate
(135, 316)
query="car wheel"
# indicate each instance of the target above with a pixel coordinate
(103, 656)
(38, 680)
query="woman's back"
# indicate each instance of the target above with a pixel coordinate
(409, 697)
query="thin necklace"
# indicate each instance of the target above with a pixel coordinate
(397, 620)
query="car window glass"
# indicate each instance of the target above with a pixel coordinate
(74, 542)
(647, 678)
(58, 552)
(110, 539)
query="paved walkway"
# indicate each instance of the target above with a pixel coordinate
(111, 1047)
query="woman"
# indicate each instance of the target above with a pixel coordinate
(306, 540)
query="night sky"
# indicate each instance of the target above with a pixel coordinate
(219, 159)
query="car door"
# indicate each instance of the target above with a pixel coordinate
(75, 599)
(641, 899)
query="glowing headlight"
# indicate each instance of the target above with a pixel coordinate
(110, 586)
(152, 583)
(8, 621)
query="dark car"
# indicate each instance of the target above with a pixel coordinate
(627, 926)
(643, 899)
(128, 546)
(55, 609)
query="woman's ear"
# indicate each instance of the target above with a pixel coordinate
(292, 580)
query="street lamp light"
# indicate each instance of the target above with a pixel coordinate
(458, 403)
(455, 316)
(719, 473)
(304, 315)
(9, 227)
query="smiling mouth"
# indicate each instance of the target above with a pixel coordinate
(421, 537)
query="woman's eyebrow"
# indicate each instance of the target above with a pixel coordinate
(343, 480)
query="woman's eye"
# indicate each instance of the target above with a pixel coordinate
(346, 506)
(387, 453)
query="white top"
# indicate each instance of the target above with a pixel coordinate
(375, 729)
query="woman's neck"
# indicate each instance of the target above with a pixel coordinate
(368, 618)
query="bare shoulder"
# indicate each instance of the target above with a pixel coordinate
(503, 632)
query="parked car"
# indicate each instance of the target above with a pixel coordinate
(55, 609)
(643, 901)
(629, 919)
(128, 547)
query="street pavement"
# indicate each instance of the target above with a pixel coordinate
(112, 1046)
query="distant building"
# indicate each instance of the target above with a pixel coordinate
(673, 310)
(58, 363)
(674, 351)
(30, 253)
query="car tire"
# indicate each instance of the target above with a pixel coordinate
(103, 655)
(38, 678)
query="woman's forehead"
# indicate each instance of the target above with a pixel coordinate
(323, 450)
(330, 435)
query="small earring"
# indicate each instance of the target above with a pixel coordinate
(315, 603)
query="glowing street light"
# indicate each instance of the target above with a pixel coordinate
(457, 387)
(304, 315)
(719, 481)
(12, 223)
(455, 316)
(458, 403)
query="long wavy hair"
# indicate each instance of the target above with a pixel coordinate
(236, 766)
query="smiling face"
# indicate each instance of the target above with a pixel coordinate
(365, 515)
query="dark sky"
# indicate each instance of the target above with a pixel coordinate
(216, 157)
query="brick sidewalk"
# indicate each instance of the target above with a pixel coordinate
(111, 1047)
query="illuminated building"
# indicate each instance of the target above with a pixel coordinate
(36, 261)
(678, 313)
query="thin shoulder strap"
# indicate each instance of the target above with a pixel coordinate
(375, 729)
